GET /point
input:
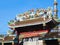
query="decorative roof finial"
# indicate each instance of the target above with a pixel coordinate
(55, 9)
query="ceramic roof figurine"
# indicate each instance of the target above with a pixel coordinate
(49, 12)
(32, 13)
(19, 17)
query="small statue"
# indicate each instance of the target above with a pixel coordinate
(49, 12)
(41, 13)
(44, 14)
(37, 13)
(32, 14)
(26, 15)
(19, 17)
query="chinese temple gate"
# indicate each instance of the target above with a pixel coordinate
(38, 24)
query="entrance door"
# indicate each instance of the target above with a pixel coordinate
(51, 42)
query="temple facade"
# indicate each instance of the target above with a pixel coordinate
(36, 26)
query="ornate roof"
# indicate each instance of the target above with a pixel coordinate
(29, 22)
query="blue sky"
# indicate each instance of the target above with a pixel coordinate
(10, 8)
